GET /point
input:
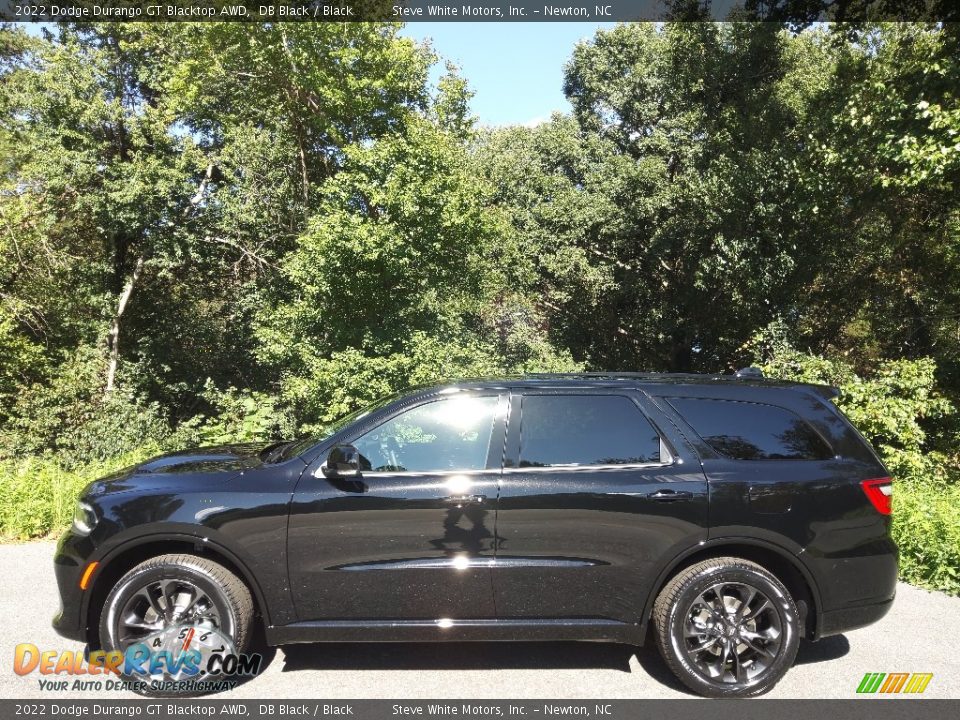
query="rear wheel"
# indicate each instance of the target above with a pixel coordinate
(727, 628)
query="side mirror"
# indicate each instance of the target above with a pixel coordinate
(342, 462)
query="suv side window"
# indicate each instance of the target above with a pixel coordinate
(452, 434)
(752, 431)
(558, 430)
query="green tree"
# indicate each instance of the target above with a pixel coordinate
(399, 278)
(888, 285)
(694, 208)
(154, 179)
(98, 192)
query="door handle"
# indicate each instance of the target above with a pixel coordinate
(465, 499)
(670, 495)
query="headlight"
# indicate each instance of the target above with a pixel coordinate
(84, 518)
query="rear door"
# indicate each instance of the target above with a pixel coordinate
(597, 490)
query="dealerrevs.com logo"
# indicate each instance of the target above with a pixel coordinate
(905, 683)
(182, 659)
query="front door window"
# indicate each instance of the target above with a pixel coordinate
(448, 435)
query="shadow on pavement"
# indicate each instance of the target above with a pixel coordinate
(829, 648)
(457, 656)
(652, 663)
(269, 654)
(512, 656)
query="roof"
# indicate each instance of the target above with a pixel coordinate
(635, 379)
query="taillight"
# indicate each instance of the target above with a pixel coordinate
(880, 492)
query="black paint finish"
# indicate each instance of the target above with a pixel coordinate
(509, 551)
(619, 520)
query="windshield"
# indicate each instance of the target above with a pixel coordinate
(307, 441)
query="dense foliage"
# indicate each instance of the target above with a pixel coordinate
(213, 232)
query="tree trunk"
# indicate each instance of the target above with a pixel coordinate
(681, 354)
(113, 339)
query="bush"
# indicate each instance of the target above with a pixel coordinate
(239, 416)
(37, 494)
(350, 379)
(114, 426)
(43, 410)
(926, 528)
(891, 404)
(72, 417)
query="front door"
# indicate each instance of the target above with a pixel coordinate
(597, 490)
(412, 537)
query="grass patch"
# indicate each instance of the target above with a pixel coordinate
(37, 494)
(926, 526)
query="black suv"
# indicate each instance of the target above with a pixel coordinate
(736, 514)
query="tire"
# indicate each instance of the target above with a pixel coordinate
(708, 645)
(219, 601)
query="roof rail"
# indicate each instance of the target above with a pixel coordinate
(616, 374)
(747, 373)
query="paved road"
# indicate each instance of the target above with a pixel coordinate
(918, 635)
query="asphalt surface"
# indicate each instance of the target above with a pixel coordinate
(918, 635)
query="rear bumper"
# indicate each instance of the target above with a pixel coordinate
(857, 586)
(834, 622)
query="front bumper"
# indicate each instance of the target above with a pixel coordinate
(66, 627)
(68, 565)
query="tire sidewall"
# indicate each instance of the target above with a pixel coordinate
(140, 576)
(783, 605)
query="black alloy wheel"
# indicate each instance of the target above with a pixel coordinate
(727, 627)
(176, 603)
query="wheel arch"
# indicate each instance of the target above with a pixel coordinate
(788, 568)
(122, 559)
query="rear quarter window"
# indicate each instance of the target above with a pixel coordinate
(752, 431)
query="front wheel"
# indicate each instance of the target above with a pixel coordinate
(171, 615)
(727, 628)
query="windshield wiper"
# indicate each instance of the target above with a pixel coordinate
(270, 452)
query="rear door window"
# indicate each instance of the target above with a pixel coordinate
(565, 430)
(752, 431)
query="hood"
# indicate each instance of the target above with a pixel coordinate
(212, 465)
(218, 458)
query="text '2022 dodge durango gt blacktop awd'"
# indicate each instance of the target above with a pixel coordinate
(735, 514)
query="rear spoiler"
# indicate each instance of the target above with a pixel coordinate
(826, 392)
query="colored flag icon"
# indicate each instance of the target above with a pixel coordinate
(913, 683)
